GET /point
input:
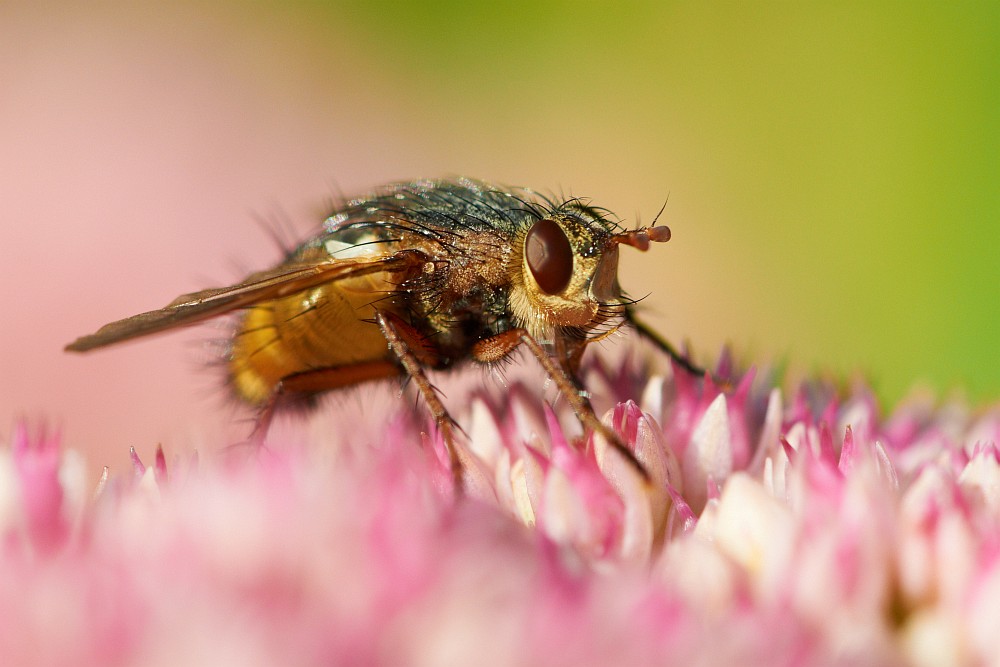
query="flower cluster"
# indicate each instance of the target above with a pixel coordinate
(772, 529)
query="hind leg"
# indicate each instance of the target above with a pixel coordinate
(312, 382)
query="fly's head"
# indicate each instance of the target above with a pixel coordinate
(565, 278)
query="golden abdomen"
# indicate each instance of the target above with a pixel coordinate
(320, 328)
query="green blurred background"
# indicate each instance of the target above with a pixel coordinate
(833, 171)
(833, 168)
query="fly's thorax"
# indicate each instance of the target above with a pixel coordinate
(564, 274)
(461, 296)
(478, 261)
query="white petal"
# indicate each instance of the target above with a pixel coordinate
(932, 637)
(981, 481)
(485, 439)
(753, 528)
(652, 397)
(534, 479)
(564, 517)
(709, 455)
(768, 445)
(519, 489)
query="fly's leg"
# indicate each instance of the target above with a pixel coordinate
(311, 382)
(254, 443)
(265, 415)
(724, 383)
(404, 342)
(499, 346)
(659, 341)
(323, 379)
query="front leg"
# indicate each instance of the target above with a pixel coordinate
(664, 345)
(499, 346)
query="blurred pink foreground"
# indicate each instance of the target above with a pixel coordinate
(778, 530)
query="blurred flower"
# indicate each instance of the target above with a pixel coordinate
(772, 530)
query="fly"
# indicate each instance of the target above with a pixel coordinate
(422, 275)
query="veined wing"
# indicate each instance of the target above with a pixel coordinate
(274, 283)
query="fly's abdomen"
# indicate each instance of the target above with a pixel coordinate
(319, 329)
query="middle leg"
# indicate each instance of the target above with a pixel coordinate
(404, 341)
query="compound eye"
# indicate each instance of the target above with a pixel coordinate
(549, 256)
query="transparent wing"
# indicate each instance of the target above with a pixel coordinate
(263, 286)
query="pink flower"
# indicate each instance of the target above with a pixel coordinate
(774, 530)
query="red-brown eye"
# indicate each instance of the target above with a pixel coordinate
(549, 256)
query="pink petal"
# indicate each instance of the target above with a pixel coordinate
(36, 461)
